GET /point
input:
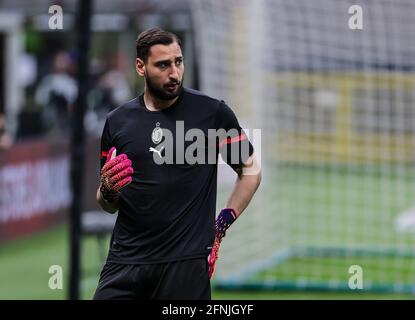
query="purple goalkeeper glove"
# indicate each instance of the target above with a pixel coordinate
(224, 220)
(115, 174)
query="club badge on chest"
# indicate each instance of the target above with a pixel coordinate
(157, 134)
(156, 137)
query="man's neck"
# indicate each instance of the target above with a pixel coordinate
(154, 104)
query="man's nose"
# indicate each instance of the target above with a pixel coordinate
(174, 73)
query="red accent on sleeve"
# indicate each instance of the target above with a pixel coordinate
(232, 140)
(103, 154)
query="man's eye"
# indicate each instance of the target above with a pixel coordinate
(162, 65)
(178, 62)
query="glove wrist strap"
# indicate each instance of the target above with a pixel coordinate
(224, 220)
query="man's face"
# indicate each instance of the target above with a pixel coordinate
(163, 71)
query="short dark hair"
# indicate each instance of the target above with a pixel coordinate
(151, 37)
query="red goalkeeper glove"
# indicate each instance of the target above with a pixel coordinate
(224, 220)
(115, 174)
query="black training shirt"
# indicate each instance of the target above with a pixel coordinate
(167, 212)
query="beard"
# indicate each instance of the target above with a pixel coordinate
(162, 92)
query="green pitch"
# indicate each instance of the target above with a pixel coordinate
(25, 264)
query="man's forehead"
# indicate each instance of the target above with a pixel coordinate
(165, 52)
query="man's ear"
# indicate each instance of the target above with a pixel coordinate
(140, 67)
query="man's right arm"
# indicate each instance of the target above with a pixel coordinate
(110, 207)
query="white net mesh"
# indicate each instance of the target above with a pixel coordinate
(337, 111)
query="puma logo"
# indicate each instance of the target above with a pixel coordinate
(156, 151)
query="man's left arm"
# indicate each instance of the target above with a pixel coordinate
(247, 182)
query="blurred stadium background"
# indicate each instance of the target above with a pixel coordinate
(337, 112)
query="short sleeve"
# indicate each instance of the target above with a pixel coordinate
(232, 143)
(106, 143)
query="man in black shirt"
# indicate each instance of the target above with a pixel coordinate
(163, 181)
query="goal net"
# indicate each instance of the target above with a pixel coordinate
(336, 107)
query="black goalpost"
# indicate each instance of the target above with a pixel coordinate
(84, 13)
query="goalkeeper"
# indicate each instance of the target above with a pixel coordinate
(167, 238)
